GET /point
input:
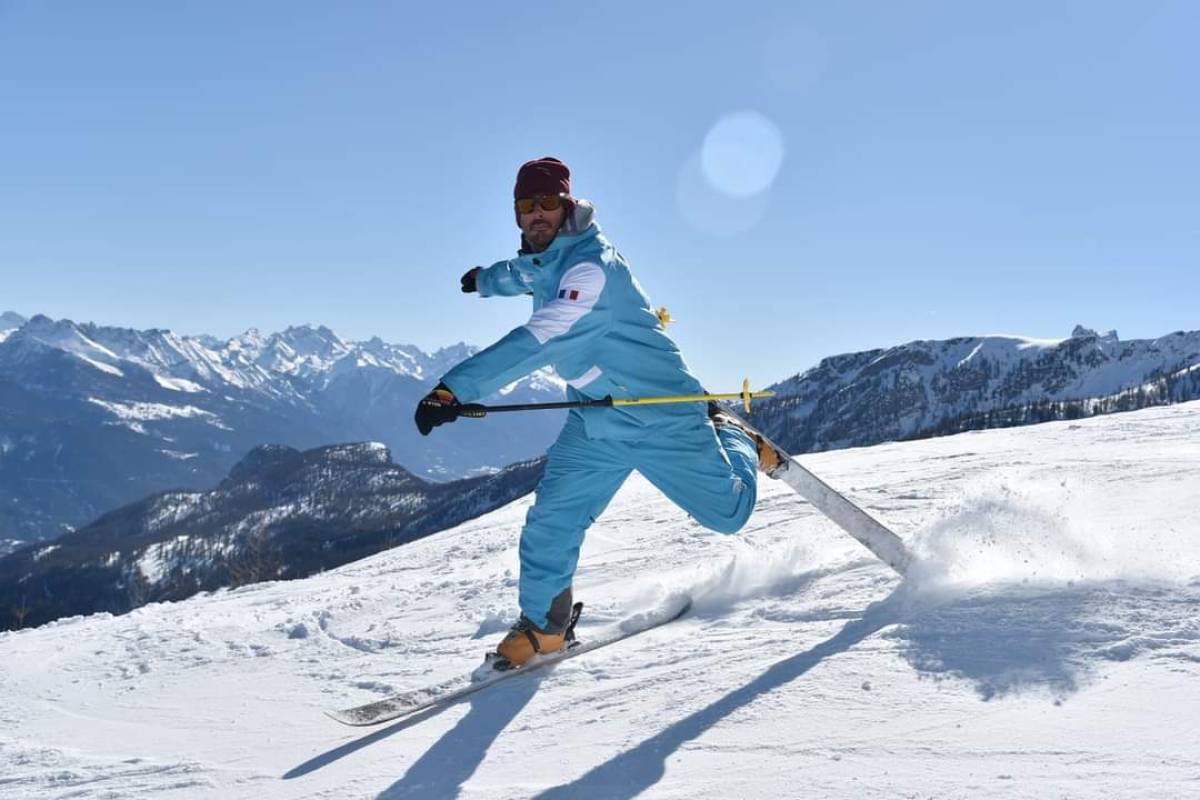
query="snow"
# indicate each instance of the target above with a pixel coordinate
(542, 380)
(1004, 346)
(100, 365)
(151, 564)
(148, 412)
(9, 545)
(289, 366)
(1048, 645)
(1027, 342)
(178, 384)
(65, 336)
(155, 559)
(971, 355)
(45, 551)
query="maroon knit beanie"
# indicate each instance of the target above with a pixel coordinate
(542, 176)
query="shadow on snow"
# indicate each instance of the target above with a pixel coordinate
(445, 766)
(1015, 641)
(1001, 641)
(1029, 639)
(636, 770)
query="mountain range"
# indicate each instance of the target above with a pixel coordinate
(929, 388)
(123, 403)
(279, 514)
(93, 417)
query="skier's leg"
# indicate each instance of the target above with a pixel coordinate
(581, 477)
(713, 476)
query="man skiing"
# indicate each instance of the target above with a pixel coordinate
(595, 326)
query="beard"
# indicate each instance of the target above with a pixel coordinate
(538, 236)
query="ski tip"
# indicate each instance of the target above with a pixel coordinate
(346, 718)
(337, 716)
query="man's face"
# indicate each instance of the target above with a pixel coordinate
(540, 226)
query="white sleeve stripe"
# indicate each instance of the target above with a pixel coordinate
(578, 291)
(586, 378)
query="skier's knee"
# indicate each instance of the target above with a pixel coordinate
(732, 518)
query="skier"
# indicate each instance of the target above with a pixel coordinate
(594, 324)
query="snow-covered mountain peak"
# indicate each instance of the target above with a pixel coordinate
(46, 329)
(358, 452)
(301, 351)
(444, 358)
(1081, 332)
(64, 335)
(313, 340)
(312, 353)
(404, 358)
(251, 343)
(11, 320)
(263, 458)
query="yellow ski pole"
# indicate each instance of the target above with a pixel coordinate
(745, 395)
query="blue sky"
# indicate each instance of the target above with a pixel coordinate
(931, 169)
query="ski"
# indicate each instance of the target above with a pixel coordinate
(449, 692)
(870, 532)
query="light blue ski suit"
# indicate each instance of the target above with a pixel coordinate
(593, 323)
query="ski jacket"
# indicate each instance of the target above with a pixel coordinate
(593, 324)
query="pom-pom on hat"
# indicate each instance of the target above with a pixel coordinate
(542, 176)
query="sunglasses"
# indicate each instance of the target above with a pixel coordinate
(548, 202)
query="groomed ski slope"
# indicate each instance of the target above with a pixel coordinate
(1049, 647)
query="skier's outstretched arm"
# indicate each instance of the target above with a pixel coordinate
(501, 279)
(577, 316)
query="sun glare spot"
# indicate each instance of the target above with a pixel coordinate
(742, 154)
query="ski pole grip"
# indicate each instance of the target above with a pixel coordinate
(475, 410)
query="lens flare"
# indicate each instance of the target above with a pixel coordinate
(742, 154)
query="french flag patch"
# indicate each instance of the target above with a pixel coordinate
(568, 294)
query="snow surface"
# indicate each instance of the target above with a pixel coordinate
(147, 412)
(1047, 646)
(100, 365)
(178, 384)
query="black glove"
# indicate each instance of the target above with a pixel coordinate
(437, 408)
(468, 280)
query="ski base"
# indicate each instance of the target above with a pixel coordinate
(870, 532)
(449, 692)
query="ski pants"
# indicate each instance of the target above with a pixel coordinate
(711, 474)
